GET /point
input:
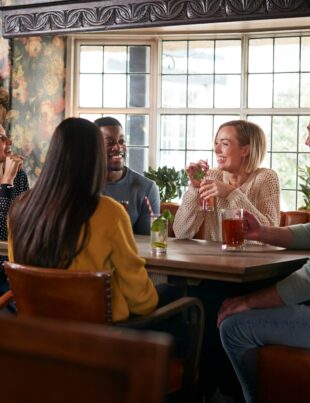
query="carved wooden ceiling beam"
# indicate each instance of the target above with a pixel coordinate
(61, 17)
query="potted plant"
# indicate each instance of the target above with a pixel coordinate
(304, 176)
(170, 182)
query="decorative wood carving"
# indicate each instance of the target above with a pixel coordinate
(107, 15)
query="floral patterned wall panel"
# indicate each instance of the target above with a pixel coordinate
(37, 90)
(4, 63)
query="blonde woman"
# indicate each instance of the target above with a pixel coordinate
(238, 181)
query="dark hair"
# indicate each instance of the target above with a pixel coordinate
(107, 121)
(46, 222)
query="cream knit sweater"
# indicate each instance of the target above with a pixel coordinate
(260, 195)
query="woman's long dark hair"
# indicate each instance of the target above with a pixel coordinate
(46, 222)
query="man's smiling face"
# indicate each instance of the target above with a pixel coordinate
(115, 147)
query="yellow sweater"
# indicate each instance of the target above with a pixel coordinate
(111, 246)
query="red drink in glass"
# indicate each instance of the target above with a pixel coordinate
(232, 229)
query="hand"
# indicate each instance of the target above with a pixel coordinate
(265, 298)
(12, 165)
(252, 228)
(195, 170)
(231, 306)
(214, 188)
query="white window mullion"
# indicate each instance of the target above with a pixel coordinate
(154, 101)
(244, 76)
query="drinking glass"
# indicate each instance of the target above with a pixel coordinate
(207, 204)
(232, 229)
(159, 234)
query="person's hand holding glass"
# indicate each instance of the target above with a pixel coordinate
(198, 176)
(196, 172)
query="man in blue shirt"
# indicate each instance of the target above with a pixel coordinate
(124, 184)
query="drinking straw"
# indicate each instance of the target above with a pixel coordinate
(149, 206)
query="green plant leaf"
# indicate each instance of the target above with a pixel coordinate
(199, 175)
(168, 215)
(170, 182)
(159, 224)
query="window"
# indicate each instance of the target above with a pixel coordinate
(171, 96)
(114, 80)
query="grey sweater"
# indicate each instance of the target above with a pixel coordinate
(133, 187)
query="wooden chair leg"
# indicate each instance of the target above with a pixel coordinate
(6, 298)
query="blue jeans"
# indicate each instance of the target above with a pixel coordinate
(243, 333)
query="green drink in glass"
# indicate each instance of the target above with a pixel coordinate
(159, 232)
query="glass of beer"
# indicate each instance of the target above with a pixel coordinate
(232, 229)
(159, 234)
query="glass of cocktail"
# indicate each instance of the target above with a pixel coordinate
(159, 234)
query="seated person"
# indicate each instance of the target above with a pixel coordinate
(65, 222)
(13, 182)
(238, 181)
(124, 184)
(279, 314)
(240, 147)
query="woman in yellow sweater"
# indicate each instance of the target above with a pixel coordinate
(64, 222)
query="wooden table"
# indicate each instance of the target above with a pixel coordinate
(198, 259)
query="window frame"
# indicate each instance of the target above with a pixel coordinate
(155, 110)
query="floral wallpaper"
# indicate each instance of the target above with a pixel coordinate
(4, 63)
(37, 91)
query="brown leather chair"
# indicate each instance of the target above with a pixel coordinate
(44, 360)
(294, 217)
(283, 375)
(173, 208)
(65, 294)
(61, 293)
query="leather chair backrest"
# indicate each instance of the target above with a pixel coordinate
(173, 208)
(296, 217)
(48, 360)
(59, 293)
(283, 375)
(83, 296)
